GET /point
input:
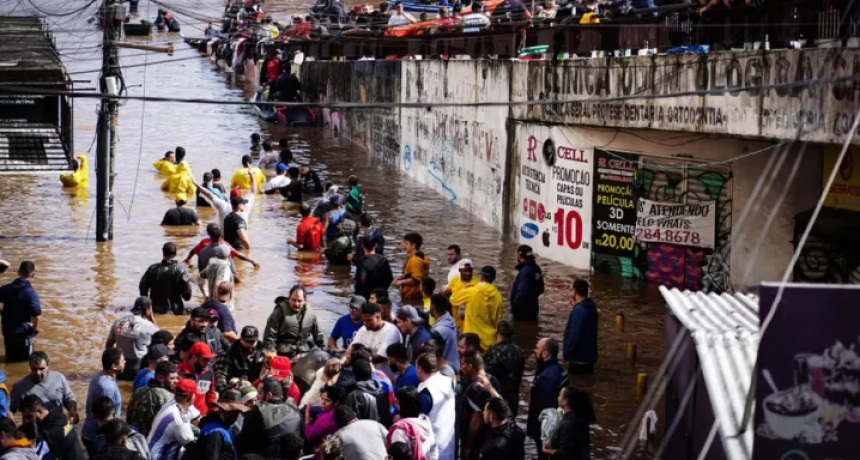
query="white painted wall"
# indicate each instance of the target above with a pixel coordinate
(459, 152)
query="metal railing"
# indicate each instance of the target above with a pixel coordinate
(779, 24)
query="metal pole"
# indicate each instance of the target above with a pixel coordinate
(104, 147)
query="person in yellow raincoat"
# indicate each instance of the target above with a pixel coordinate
(80, 176)
(167, 165)
(180, 181)
(485, 308)
(457, 291)
(240, 178)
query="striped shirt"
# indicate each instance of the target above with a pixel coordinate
(171, 430)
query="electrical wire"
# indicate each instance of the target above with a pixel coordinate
(414, 105)
(142, 121)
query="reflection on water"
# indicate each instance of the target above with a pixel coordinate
(83, 285)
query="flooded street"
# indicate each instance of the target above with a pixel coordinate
(83, 285)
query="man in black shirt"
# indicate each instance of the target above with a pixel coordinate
(180, 215)
(166, 283)
(235, 227)
(512, 12)
(292, 192)
(311, 180)
(473, 427)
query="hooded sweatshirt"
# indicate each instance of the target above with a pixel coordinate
(505, 442)
(483, 312)
(374, 272)
(60, 436)
(447, 328)
(20, 449)
(417, 433)
(369, 402)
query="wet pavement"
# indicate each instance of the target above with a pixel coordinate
(84, 285)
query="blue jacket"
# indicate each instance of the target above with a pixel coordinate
(20, 305)
(547, 383)
(446, 327)
(580, 334)
(528, 286)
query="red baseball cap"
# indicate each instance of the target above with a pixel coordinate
(235, 193)
(188, 386)
(201, 349)
(280, 368)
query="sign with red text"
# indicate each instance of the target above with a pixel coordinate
(555, 196)
(676, 223)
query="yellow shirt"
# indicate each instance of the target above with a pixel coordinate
(485, 310)
(79, 178)
(241, 180)
(164, 167)
(427, 307)
(415, 267)
(459, 298)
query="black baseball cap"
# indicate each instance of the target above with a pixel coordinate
(488, 272)
(141, 304)
(525, 251)
(201, 312)
(159, 351)
(250, 334)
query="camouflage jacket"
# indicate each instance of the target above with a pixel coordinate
(145, 404)
(505, 361)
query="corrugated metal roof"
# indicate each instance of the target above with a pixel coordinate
(725, 330)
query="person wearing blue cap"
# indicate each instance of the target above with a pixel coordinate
(280, 180)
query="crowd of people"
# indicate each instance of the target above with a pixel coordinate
(437, 376)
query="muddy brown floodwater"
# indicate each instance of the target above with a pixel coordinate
(84, 285)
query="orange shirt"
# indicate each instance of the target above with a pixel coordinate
(415, 267)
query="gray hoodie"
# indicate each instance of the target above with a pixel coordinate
(19, 453)
(446, 327)
(369, 402)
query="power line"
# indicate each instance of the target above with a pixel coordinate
(419, 105)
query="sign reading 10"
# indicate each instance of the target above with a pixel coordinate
(568, 228)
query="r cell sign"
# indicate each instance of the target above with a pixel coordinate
(555, 195)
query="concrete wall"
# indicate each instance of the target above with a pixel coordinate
(490, 160)
(819, 113)
(459, 152)
(377, 130)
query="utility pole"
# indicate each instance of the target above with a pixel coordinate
(105, 137)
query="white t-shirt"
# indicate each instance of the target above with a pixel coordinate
(171, 431)
(455, 271)
(378, 341)
(400, 20)
(276, 182)
(133, 335)
(223, 208)
(475, 19)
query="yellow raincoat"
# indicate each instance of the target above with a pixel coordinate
(79, 178)
(164, 167)
(484, 311)
(459, 298)
(180, 181)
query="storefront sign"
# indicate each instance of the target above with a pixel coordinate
(23, 109)
(676, 223)
(812, 411)
(555, 190)
(615, 194)
(845, 192)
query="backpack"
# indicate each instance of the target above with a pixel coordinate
(314, 236)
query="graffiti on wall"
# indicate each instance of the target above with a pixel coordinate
(687, 267)
(460, 158)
